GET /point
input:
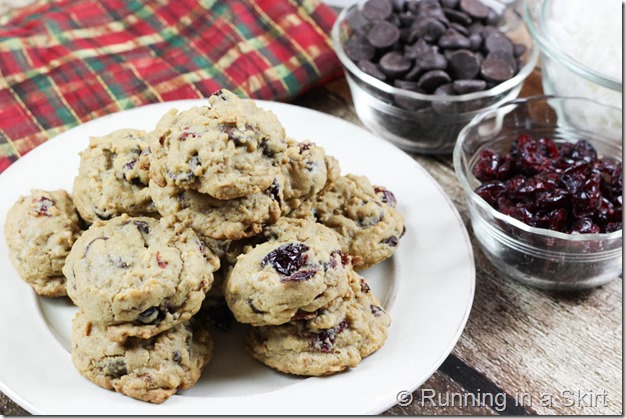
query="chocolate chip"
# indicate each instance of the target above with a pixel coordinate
(444, 106)
(429, 29)
(142, 226)
(358, 48)
(518, 50)
(475, 8)
(375, 10)
(383, 34)
(372, 69)
(450, 4)
(462, 87)
(463, 64)
(476, 41)
(457, 16)
(115, 368)
(414, 51)
(459, 28)
(431, 60)
(151, 316)
(497, 41)
(433, 79)
(414, 73)
(394, 64)
(453, 40)
(496, 69)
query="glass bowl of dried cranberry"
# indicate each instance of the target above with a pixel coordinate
(420, 70)
(545, 197)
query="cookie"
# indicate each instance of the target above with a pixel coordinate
(113, 177)
(138, 276)
(151, 369)
(334, 339)
(231, 219)
(228, 149)
(40, 230)
(301, 271)
(363, 216)
(308, 172)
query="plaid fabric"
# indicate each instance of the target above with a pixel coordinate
(63, 62)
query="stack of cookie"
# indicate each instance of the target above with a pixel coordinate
(312, 313)
(215, 206)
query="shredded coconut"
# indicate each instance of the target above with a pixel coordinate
(590, 32)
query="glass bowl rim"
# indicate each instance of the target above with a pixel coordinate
(535, 25)
(522, 74)
(484, 205)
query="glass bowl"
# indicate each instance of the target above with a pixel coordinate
(423, 123)
(563, 68)
(538, 257)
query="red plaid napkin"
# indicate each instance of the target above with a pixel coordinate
(63, 62)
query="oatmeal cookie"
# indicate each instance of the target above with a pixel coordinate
(363, 216)
(228, 149)
(113, 177)
(337, 337)
(231, 219)
(300, 271)
(151, 369)
(40, 230)
(138, 276)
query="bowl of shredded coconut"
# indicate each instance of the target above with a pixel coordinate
(581, 55)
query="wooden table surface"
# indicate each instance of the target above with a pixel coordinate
(523, 351)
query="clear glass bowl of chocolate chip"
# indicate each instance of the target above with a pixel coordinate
(545, 195)
(420, 70)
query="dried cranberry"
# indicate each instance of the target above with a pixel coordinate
(286, 259)
(273, 191)
(160, 262)
(564, 188)
(386, 196)
(324, 341)
(43, 204)
(491, 191)
(486, 167)
(299, 276)
(376, 311)
(584, 225)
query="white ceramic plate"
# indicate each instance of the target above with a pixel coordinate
(428, 287)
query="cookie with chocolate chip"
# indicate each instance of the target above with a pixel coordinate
(151, 369)
(228, 149)
(219, 219)
(40, 229)
(300, 269)
(363, 217)
(333, 339)
(137, 276)
(113, 177)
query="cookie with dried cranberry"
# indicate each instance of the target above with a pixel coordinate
(275, 280)
(151, 369)
(228, 149)
(363, 216)
(231, 219)
(137, 276)
(333, 339)
(308, 172)
(40, 230)
(113, 177)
